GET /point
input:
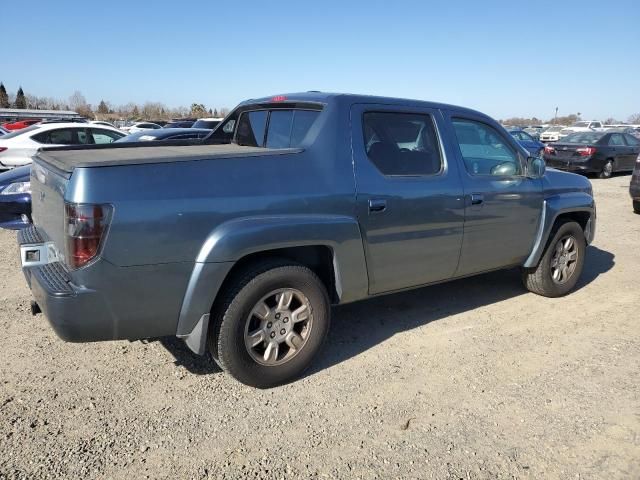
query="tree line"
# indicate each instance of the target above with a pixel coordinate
(105, 110)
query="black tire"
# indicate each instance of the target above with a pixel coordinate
(607, 169)
(636, 206)
(231, 317)
(540, 279)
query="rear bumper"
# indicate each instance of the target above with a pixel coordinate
(104, 301)
(76, 315)
(568, 166)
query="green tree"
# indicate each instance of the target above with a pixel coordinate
(21, 101)
(215, 112)
(102, 107)
(198, 110)
(4, 98)
(135, 113)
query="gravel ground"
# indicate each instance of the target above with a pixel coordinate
(475, 379)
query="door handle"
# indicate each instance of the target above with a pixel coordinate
(477, 199)
(377, 205)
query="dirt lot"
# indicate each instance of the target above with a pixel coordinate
(473, 379)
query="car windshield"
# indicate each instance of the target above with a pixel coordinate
(554, 129)
(210, 124)
(583, 137)
(580, 124)
(16, 133)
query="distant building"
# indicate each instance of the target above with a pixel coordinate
(13, 114)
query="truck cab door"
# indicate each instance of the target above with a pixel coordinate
(503, 207)
(409, 196)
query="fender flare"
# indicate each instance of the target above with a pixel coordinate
(553, 207)
(233, 240)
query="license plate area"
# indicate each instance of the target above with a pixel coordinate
(38, 254)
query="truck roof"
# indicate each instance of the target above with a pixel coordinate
(314, 96)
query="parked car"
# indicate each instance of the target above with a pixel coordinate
(179, 124)
(534, 131)
(239, 248)
(533, 146)
(582, 126)
(17, 148)
(167, 134)
(634, 188)
(209, 123)
(551, 134)
(20, 124)
(594, 152)
(15, 198)
(142, 126)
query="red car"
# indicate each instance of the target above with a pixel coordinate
(21, 124)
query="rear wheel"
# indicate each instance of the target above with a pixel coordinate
(607, 170)
(636, 206)
(561, 264)
(270, 324)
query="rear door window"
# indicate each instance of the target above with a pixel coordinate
(402, 143)
(62, 136)
(631, 140)
(616, 140)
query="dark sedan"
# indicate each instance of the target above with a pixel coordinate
(15, 198)
(594, 152)
(166, 135)
(634, 188)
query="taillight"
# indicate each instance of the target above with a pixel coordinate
(549, 150)
(585, 151)
(85, 228)
(2, 149)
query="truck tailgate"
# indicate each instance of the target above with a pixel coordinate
(47, 198)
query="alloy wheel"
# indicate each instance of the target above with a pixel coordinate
(278, 327)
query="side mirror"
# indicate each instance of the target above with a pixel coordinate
(535, 167)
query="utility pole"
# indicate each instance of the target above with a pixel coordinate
(555, 118)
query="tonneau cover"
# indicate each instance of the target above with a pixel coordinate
(67, 159)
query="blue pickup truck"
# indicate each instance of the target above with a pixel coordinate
(240, 246)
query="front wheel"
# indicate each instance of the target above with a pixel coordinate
(636, 206)
(270, 324)
(561, 264)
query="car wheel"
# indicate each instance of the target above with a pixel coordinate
(636, 206)
(562, 263)
(607, 170)
(270, 323)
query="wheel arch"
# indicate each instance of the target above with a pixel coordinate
(331, 246)
(579, 207)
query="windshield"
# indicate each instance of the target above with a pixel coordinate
(554, 129)
(15, 133)
(580, 124)
(210, 124)
(583, 137)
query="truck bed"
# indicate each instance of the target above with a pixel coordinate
(66, 159)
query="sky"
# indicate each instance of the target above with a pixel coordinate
(504, 58)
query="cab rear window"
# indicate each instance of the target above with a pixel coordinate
(277, 128)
